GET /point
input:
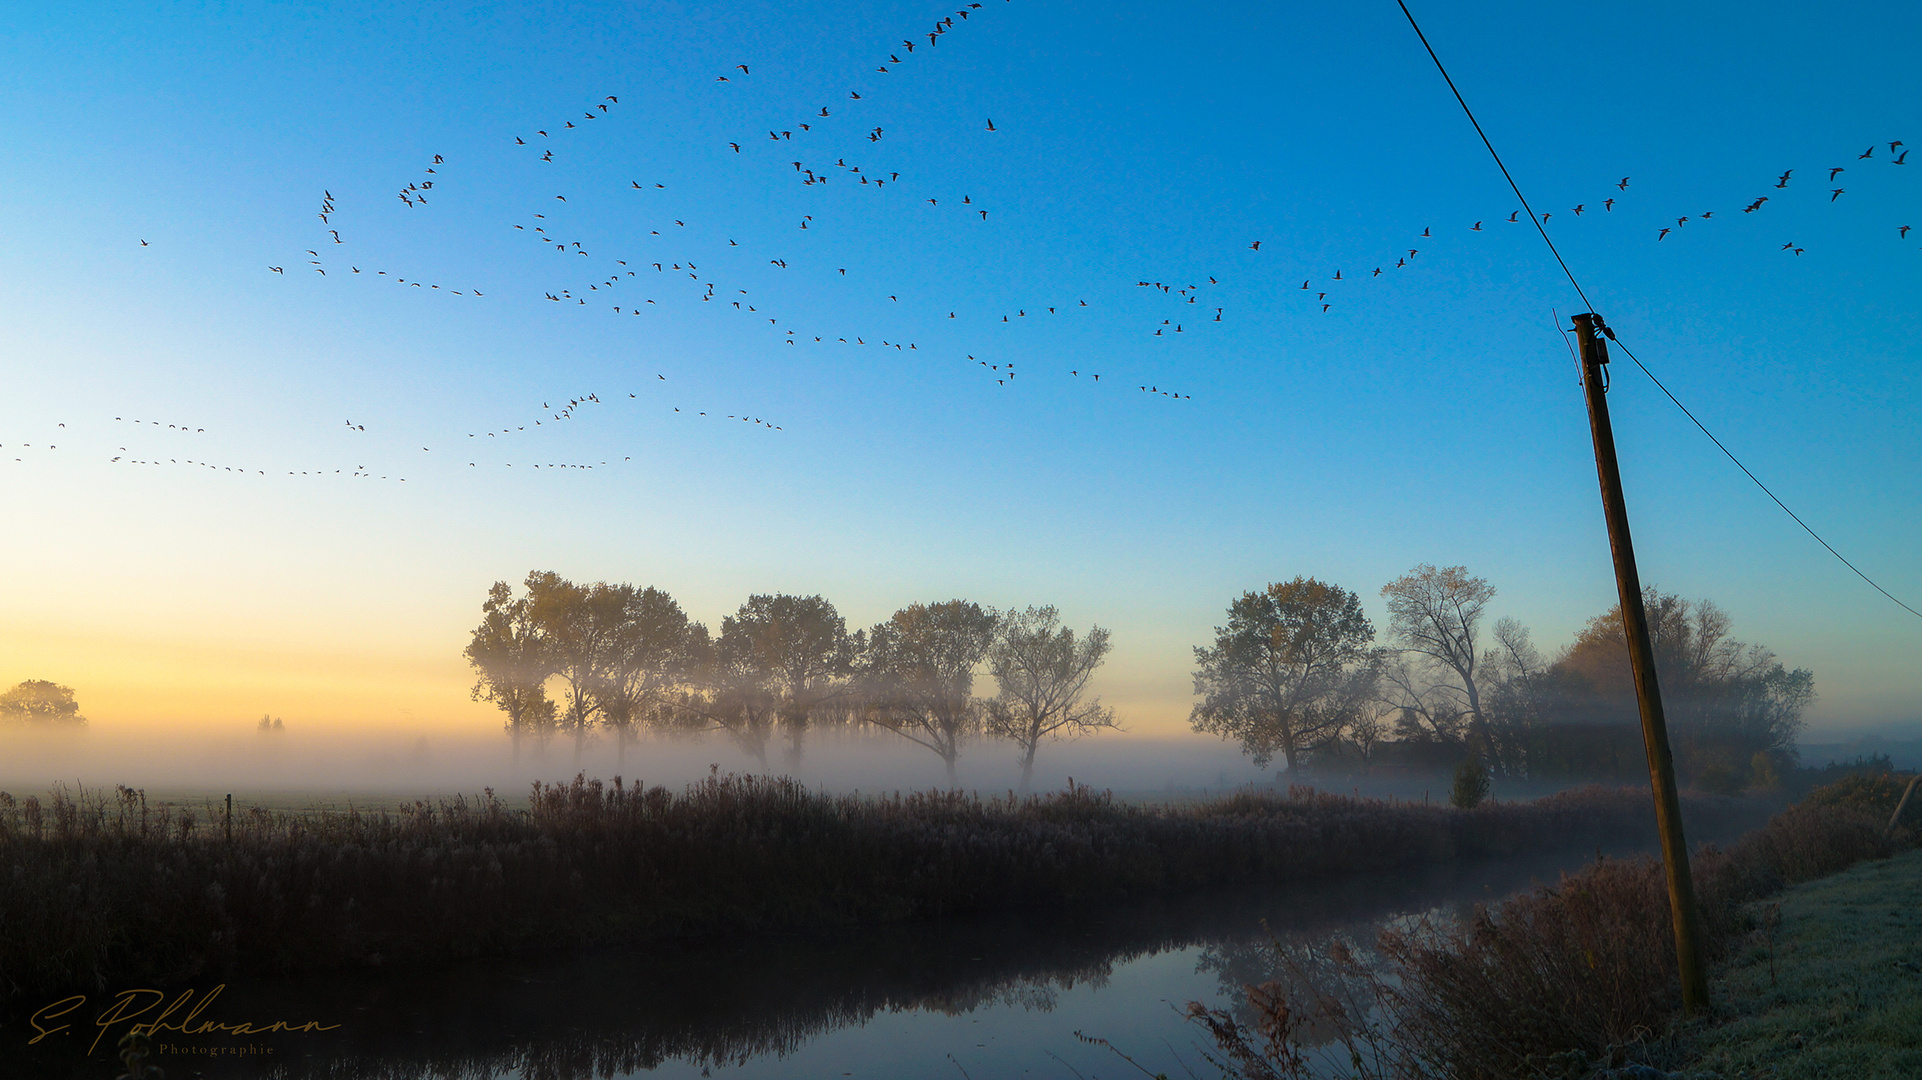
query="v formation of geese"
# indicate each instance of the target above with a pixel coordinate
(632, 286)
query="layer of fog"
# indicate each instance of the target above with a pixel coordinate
(383, 768)
(411, 764)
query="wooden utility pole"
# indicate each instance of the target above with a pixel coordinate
(1683, 911)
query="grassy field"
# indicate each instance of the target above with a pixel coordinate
(1832, 983)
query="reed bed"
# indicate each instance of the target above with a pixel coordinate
(104, 890)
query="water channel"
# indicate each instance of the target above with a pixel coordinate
(983, 998)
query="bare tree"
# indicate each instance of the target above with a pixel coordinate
(1042, 672)
(1292, 668)
(917, 674)
(1422, 711)
(1435, 615)
(1512, 670)
(510, 656)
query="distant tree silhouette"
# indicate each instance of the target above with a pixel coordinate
(731, 695)
(1291, 669)
(917, 675)
(39, 703)
(1725, 700)
(783, 657)
(270, 725)
(579, 627)
(1042, 671)
(510, 655)
(1434, 619)
(650, 656)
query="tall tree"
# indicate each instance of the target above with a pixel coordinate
(1725, 700)
(1435, 616)
(917, 674)
(796, 649)
(1292, 667)
(722, 692)
(580, 625)
(41, 703)
(1512, 671)
(1042, 671)
(510, 656)
(648, 658)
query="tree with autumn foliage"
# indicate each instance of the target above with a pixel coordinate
(1294, 666)
(1725, 700)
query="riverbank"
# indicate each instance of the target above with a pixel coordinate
(105, 891)
(1829, 985)
(1578, 980)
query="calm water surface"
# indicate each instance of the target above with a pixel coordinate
(984, 998)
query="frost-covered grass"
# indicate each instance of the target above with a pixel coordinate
(1831, 985)
(1574, 980)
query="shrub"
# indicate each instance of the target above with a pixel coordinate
(1554, 981)
(1471, 784)
(1875, 794)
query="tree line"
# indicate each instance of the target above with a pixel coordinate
(1296, 673)
(568, 659)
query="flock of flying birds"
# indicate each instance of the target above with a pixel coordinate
(621, 284)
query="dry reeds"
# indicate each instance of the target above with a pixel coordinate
(100, 890)
(1553, 983)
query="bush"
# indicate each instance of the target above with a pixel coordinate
(1554, 981)
(1471, 784)
(1876, 794)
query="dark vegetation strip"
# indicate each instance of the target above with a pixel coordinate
(1575, 980)
(100, 891)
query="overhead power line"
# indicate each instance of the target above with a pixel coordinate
(1506, 175)
(1758, 482)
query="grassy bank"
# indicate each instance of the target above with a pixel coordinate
(1830, 984)
(1576, 980)
(104, 891)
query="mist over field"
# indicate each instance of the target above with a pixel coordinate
(408, 764)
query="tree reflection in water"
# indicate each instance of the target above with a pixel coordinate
(605, 1014)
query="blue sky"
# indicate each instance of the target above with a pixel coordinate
(1429, 414)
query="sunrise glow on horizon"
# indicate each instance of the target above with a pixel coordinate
(242, 486)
